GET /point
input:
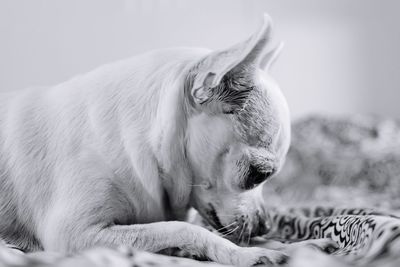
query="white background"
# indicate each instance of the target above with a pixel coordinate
(340, 56)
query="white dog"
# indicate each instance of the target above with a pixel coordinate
(118, 156)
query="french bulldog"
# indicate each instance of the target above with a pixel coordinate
(117, 156)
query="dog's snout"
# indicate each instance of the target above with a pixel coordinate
(256, 176)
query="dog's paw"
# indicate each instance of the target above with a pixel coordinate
(252, 256)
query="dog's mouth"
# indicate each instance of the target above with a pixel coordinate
(213, 218)
(229, 231)
(240, 229)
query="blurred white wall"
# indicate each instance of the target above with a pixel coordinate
(340, 56)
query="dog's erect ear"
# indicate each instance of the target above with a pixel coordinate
(271, 57)
(246, 56)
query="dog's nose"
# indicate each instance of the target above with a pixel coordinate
(256, 176)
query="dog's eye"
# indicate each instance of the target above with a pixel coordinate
(224, 152)
(228, 112)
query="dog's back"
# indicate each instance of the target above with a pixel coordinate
(40, 128)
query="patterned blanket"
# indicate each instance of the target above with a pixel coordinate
(341, 181)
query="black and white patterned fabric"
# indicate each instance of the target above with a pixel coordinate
(341, 180)
(363, 235)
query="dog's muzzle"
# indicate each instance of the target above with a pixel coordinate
(246, 226)
(213, 218)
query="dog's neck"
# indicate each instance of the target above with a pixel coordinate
(154, 110)
(174, 110)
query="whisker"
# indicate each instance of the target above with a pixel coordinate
(226, 226)
(231, 231)
(227, 231)
(242, 231)
(248, 240)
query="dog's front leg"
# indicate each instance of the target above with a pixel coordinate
(158, 236)
(90, 210)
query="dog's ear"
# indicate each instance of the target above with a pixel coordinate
(247, 56)
(271, 57)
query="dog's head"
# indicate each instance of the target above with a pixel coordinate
(238, 133)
